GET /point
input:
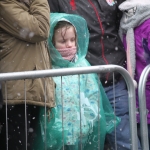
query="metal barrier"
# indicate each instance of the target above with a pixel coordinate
(86, 70)
(142, 107)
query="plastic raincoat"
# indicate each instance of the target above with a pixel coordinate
(82, 108)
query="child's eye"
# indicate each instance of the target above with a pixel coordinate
(73, 39)
(63, 41)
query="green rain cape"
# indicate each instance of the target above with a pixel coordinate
(83, 114)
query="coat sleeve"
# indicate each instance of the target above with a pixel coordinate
(28, 24)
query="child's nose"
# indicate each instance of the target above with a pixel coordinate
(69, 44)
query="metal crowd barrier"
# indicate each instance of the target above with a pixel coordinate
(86, 70)
(142, 107)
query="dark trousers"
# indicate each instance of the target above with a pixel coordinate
(16, 132)
(121, 110)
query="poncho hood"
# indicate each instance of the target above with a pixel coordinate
(82, 38)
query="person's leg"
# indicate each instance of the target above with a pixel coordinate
(16, 127)
(118, 98)
(34, 128)
(2, 129)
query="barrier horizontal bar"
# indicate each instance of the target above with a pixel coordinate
(60, 72)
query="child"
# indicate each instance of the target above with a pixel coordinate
(79, 114)
(135, 24)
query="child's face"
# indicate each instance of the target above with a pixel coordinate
(65, 38)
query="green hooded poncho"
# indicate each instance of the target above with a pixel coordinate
(77, 99)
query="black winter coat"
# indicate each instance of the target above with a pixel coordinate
(105, 46)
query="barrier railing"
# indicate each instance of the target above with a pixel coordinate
(142, 108)
(86, 70)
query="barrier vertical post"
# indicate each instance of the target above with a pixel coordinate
(142, 108)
